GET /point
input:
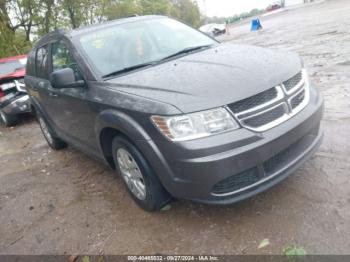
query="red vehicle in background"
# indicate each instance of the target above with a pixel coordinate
(13, 95)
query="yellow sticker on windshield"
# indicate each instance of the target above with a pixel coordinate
(98, 43)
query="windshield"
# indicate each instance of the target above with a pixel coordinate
(11, 66)
(127, 45)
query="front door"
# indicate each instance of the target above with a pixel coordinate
(74, 115)
(40, 85)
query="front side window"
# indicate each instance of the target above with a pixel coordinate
(62, 58)
(42, 63)
(30, 69)
(130, 44)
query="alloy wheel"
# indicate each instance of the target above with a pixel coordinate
(131, 173)
(3, 117)
(45, 130)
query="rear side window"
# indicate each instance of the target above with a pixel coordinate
(62, 58)
(42, 69)
(30, 69)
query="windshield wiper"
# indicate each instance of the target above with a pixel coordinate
(135, 67)
(129, 69)
(187, 50)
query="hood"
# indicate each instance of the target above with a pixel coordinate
(12, 58)
(211, 78)
(16, 74)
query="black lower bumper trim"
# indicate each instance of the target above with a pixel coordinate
(308, 149)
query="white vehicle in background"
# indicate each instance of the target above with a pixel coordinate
(213, 29)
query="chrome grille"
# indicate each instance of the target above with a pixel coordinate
(293, 82)
(273, 106)
(297, 99)
(253, 101)
(20, 85)
(265, 117)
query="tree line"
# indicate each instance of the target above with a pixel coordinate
(24, 21)
(235, 18)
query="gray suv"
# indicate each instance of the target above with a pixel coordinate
(173, 111)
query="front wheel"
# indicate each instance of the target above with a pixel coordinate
(141, 182)
(53, 141)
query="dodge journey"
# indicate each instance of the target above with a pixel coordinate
(175, 113)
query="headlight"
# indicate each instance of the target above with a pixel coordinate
(196, 125)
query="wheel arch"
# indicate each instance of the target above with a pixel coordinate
(111, 123)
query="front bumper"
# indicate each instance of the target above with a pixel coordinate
(268, 177)
(249, 162)
(17, 105)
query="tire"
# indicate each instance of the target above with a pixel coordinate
(155, 196)
(7, 120)
(54, 142)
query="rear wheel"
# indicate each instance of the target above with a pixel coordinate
(53, 141)
(7, 120)
(141, 182)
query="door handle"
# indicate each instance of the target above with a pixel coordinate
(53, 94)
(41, 84)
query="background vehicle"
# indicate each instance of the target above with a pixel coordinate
(213, 29)
(274, 6)
(13, 96)
(173, 111)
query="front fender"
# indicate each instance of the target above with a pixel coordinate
(121, 122)
(128, 126)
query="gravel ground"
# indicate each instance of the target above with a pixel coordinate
(64, 202)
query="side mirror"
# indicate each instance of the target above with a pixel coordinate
(65, 78)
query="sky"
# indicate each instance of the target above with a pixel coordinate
(227, 8)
